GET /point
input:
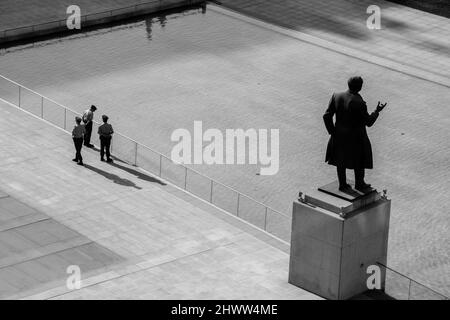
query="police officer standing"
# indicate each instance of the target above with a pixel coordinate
(88, 117)
(77, 136)
(105, 132)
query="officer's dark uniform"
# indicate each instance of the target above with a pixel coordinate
(77, 136)
(105, 132)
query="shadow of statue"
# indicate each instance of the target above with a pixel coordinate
(114, 178)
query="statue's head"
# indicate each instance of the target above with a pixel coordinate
(355, 84)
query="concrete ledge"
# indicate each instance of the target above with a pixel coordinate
(95, 19)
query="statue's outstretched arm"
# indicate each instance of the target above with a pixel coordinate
(371, 118)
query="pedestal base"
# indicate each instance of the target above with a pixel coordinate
(330, 253)
(349, 195)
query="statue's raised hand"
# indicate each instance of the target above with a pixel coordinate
(381, 106)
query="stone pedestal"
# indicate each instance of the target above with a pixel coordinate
(334, 240)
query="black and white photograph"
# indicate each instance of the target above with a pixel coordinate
(226, 158)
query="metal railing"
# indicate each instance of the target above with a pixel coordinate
(137, 154)
(397, 285)
(401, 287)
(97, 16)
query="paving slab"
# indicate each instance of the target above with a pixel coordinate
(29, 243)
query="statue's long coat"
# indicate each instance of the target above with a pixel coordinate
(349, 145)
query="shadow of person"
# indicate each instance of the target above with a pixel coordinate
(93, 148)
(149, 27)
(114, 178)
(137, 173)
(112, 157)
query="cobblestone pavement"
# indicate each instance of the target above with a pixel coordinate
(131, 235)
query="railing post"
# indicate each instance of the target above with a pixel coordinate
(160, 166)
(265, 220)
(42, 107)
(135, 153)
(185, 177)
(211, 192)
(65, 118)
(19, 95)
(237, 208)
(409, 290)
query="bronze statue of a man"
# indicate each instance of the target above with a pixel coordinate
(349, 146)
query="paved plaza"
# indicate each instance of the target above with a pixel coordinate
(132, 235)
(407, 36)
(144, 239)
